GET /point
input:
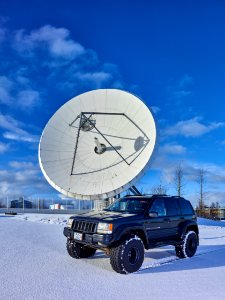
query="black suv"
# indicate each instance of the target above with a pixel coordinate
(132, 224)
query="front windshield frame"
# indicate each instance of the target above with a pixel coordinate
(129, 205)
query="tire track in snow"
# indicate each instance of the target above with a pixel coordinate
(202, 252)
(159, 262)
(167, 260)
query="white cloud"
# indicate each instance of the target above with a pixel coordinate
(216, 196)
(5, 90)
(16, 92)
(178, 90)
(5, 187)
(44, 57)
(34, 63)
(14, 130)
(9, 123)
(2, 34)
(21, 136)
(98, 78)
(21, 164)
(216, 173)
(3, 147)
(155, 109)
(191, 128)
(28, 99)
(181, 88)
(24, 178)
(185, 80)
(214, 177)
(56, 40)
(174, 149)
(181, 93)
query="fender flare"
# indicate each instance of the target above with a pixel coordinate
(123, 230)
(184, 226)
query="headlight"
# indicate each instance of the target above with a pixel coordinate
(105, 228)
(69, 223)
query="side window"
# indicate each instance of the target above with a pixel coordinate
(171, 207)
(159, 207)
(186, 207)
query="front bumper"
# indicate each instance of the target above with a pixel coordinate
(95, 240)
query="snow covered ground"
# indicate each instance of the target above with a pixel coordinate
(34, 264)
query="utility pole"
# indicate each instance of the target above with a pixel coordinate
(201, 181)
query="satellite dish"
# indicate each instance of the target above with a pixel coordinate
(97, 144)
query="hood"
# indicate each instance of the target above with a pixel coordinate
(106, 216)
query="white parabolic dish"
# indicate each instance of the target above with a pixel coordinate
(97, 144)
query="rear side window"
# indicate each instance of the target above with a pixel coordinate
(159, 207)
(186, 208)
(171, 207)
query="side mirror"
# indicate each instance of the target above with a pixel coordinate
(153, 214)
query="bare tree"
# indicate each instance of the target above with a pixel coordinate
(2, 204)
(201, 180)
(159, 189)
(213, 205)
(215, 210)
(179, 180)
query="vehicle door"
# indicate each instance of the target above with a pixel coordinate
(155, 226)
(172, 217)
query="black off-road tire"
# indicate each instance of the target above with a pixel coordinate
(189, 245)
(77, 250)
(128, 256)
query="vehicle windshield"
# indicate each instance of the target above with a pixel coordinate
(130, 205)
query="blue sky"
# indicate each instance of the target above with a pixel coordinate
(169, 53)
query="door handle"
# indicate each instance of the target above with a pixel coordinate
(167, 219)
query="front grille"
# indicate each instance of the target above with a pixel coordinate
(83, 226)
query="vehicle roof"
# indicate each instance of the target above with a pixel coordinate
(151, 196)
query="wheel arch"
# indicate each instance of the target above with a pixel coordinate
(132, 231)
(188, 226)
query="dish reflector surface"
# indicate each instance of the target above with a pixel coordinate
(97, 144)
